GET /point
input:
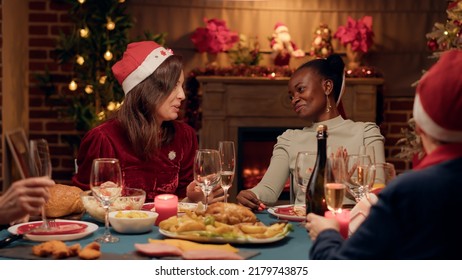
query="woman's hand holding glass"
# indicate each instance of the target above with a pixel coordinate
(207, 170)
(106, 186)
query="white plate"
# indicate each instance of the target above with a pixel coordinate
(63, 237)
(289, 217)
(240, 240)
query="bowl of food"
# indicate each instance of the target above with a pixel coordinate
(132, 221)
(130, 199)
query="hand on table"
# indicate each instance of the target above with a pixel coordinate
(316, 224)
(24, 197)
(249, 199)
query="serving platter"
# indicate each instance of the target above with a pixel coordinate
(204, 236)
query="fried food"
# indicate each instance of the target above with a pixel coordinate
(55, 248)
(230, 213)
(91, 251)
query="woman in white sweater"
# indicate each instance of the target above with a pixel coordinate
(314, 89)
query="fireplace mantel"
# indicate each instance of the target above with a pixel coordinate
(229, 103)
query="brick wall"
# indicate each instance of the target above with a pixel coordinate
(397, 111)
(47, 17)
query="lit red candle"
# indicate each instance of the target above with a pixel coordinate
(342, 218)
(166, 206)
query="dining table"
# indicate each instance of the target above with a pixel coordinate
(294, 246)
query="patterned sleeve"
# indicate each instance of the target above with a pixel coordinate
(372, 136)
(95, 144)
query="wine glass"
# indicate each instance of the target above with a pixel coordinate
(334, 184)
(360, 175)
(304, 163)
(384, 173)
(207, 170)
(228, 161)
(40, 165)
(369, 151)
(106, 186)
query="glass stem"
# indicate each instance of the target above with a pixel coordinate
(106, 220)
(225, 190)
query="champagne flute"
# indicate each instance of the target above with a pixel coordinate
(228, 161)
(360, 175)
(207, 170)
(40, 165)
(334, 184)
(368, 151)
(304, 164)
(106, 186)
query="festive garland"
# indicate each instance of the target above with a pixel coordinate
(193, 112)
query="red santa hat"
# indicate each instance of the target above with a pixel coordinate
(438, 100)
(279, 27)
(139, 61)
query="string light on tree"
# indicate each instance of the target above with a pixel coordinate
(108, 55)
(89, 89)
(81, 1)
(80, 60)
(84, 32)
(72, 85)
(110, 25)
(102, 79)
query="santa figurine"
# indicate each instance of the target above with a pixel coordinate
(282, 46)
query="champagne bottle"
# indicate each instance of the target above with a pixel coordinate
(315, 199)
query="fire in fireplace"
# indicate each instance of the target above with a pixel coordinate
(255, 148)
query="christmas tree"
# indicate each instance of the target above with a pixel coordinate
(446, 36)
(98, 39)
(321, 47)
(443, 37)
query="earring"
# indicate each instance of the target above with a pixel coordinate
(328, 107)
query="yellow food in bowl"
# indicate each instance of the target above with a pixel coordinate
(131, 215)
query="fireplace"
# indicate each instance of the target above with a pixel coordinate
(255, 147)
(253, 111)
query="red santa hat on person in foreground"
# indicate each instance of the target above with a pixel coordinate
(139, 61)
(438, 100)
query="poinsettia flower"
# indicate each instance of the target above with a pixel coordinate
(215, 37)
(358, 33)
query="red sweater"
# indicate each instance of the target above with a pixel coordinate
(169, 172)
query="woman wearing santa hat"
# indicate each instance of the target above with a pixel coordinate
(315, 91)
(417, 213)
(155, 151)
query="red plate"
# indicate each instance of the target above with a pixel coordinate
(63, 228)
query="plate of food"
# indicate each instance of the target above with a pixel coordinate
(67, 230)
(223, 223)
(291, 212)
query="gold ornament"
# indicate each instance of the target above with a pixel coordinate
(80, 60)
(102, 80)
(110, 24)
(84, 32)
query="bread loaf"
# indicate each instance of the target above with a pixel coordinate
(64, 200)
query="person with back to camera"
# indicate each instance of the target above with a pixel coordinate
(416, 213)
(314, 89)
(156, 152)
